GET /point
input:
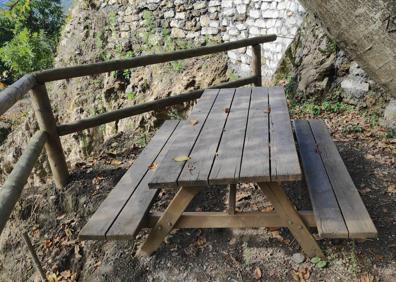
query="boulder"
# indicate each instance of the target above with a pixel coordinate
(389, 120)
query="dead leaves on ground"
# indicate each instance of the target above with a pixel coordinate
(302, 274)
(257, 274)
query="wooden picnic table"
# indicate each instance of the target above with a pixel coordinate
(232, 136)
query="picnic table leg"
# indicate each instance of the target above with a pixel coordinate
(231, 199)
(286, 210)
(168, 220)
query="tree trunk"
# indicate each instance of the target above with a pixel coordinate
(366, 30)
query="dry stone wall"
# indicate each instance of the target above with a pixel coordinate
(222, 20)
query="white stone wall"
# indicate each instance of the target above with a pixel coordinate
(226, 20)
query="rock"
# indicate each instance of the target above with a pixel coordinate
(169, 14)
(298, 258)
(354, 88)
(178, 33)
(389, 120)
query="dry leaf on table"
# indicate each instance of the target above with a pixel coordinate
(153, 166)
(182, 158)
(193, 122)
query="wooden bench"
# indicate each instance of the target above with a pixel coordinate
(338, 209)
(122, 213)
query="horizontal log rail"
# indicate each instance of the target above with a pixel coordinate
(15, 92)
(96, 68)
(12, 188)
(143, 108)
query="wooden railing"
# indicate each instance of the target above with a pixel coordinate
(49, 133)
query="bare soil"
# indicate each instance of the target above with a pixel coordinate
(54, 218)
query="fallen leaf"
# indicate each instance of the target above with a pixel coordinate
(182, 158)
(226, 110)
(322, 264)
(277, 235)
(153, 166)
(194, 122)
(66, 274)
(51, 277)
(232, 241)
(257, 273)
(366, 278)
(315, 260)
(392, 188)
(116, 162)
(201, 240)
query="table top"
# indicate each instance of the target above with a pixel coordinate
(232, 136)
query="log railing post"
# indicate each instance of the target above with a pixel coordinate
(256, 64)
(46, 121)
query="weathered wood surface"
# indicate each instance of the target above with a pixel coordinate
(15, 92)
(90, 69)
(168, 172)
(227, 164)
(355, 214)
(111, 207)
(257, 140)
(143, 108)
(46, 121)
(12, 188)
(226, 220)
(130, 218)
(168, 220)
(235, 143)
(285, 165)
(196, 170)
(256, 64)
(291, 217)
(329, 219)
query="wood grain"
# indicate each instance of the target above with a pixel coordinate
(111, 207)
(255, 164)
(284, 159)
(356, 217)
(129, 220)
(197, 169)
(169, 170)
(328, 216)
(227, 164)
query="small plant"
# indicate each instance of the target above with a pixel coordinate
(232, 75)
(177, 66)
(318, 262)
(174, 114)
(149, 19)
(352, 128)
(131, 95)
(112, 20)
(391, 133)
(142, 140)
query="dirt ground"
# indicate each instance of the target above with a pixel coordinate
(54, 218)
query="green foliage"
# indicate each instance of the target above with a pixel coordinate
(27, 52)
(29, 32)
(131, 95)
(149, 19)
(391, 133)
(352, 128)
(177, 66)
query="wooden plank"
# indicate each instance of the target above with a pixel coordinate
(110, 208)
(197, 169)
(356, 217)
(169, 169)
(284, 159)
(225, 220)
(128, 222)
(289, 214)
(227, 164)
(330, 222)
(104, 118)
(255, 164)
(168, 220)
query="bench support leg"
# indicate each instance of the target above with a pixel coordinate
(231, 199)
(168, 220)
(286, 210)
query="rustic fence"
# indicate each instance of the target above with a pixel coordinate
(49, 133)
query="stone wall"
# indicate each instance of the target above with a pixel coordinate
(225, 21)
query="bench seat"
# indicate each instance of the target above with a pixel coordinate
(121, 214)
(338, 209)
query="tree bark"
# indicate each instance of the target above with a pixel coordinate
(366, 30)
